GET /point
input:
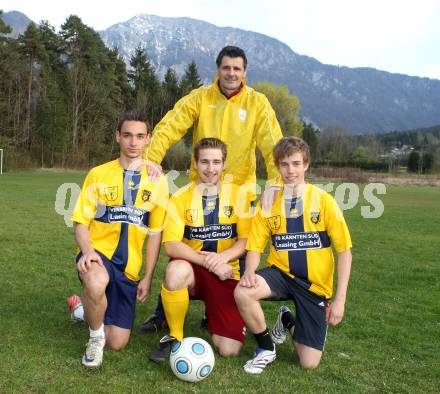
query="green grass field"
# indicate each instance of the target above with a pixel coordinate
(389, 340)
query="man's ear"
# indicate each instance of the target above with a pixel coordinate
(148, 139)
(118, 135)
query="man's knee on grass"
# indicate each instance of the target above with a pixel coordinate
(116, 344)
(116, 338)
(309, 358)
(227, 347)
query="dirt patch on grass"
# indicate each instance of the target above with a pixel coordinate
(407, 181)
(357, 176)
(59, 170)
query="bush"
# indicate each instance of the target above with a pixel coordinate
(427, 162)
(414, 161)
(14, 159)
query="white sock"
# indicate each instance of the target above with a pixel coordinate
(97, 333)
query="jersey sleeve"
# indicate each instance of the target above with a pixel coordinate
(173, 126)
(174, 221)
(268, 133)
(158, 213)
(87, 202)
(337, 228)
(259, 232)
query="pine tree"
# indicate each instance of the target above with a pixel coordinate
(121, 80)
(145, 84)
(311, 135)
(72, 32)
(32, 47)
(170, 85)
(52, 110)
(95, 97)
(8, 61)
(53, 45)
(190, 79)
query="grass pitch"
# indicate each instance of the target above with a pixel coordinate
(388, 341)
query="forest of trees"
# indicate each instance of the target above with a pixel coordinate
(418, 150)
(61, 94)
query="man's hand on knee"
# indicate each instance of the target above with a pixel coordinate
(249, 279)
(86, 260)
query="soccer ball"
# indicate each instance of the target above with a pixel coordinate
(192, 359)
(76, 308)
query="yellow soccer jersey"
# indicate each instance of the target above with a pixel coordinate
(302, 231)
(209, 223)
(120, 207)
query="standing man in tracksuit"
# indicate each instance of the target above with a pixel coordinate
(231, 111)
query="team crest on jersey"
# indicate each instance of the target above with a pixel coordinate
(242, 114)
(146, 194)
(315, 217)
(293, 213)
(228, 210)
(274, 222)
(192, 215)
(210, 205)
(131, 184)
(111, 193)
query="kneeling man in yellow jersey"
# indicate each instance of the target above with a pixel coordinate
(205, 233)
(303, 224)
(117, 207)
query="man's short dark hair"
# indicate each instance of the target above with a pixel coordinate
(209, 143)
(134, 115)
(231, 51)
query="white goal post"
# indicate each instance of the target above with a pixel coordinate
(1, 161)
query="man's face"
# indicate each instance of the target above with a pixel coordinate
(132, 139)
(292, 169)
(230, 73)
(210, 165)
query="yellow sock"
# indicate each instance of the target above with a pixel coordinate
(175, 305)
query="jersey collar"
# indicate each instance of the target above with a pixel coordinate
(235, 93)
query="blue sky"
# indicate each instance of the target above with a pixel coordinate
(400, 36)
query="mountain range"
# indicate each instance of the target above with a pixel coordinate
(363, 100)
